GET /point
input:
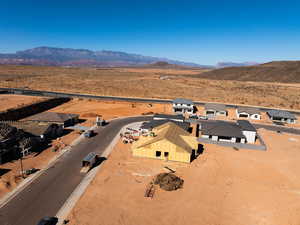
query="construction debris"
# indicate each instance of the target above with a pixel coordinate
(171, 170)
(130, 135)
(150, 190)
(168, 181)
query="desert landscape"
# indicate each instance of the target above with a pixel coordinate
(152, 113)
(165, 83)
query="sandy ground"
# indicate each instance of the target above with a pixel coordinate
(147, 82)
(11, 177)
(15, 101)
(89, 109)
(222, 186)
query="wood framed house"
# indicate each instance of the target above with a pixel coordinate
(168, 142)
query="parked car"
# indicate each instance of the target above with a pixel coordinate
(194, 117)
(89, 133)
(203, 117)
(48, 221)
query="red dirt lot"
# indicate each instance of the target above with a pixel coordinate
(222, 186)
(15, 101)
(89, 109)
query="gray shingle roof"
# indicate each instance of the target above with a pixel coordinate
(221, 128)
(51, 117)
(281, 114)
(246, 125)
(183, 101)
(32, 127)
(215, 106)
(155, 123)
(249, 110)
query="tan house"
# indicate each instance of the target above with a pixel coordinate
(167, 142)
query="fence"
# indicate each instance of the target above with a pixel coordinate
(29, 110)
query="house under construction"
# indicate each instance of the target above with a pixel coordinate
(167, 142)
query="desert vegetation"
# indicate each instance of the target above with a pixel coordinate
(148, 82)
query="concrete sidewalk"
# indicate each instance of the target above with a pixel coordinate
(27, 181)
(80, 189)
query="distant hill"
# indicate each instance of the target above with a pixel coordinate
(81, 57)
(233, 64)
(166, 65)
(277, 71)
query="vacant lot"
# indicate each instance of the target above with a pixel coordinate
(143, 82)
(15, 101)
(90, 109)
(222, 186)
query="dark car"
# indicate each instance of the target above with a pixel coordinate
(89, 133)
(48, 221)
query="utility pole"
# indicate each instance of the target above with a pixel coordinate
(21, 162)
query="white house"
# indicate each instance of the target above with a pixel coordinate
(248, 130)
(221, 131)
(248, 113)
(240, 132)
(212, 110)
(182, 106)
(177, 118)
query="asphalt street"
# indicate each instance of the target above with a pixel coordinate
(47, 194)
(277, 128)
(112, 98)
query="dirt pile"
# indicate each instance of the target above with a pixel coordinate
(91, 115)
(168, 181)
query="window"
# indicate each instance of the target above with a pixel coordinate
(166, 154)
(243, 115)
(158, 153)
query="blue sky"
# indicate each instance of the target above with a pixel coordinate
(205, 32)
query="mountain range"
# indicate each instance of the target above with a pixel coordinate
(234, 64)
(83, 57)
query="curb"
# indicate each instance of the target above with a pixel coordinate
(81, 188)
(26, 182)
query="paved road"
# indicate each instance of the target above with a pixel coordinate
(47, 194)
(72, 95)
(277, 128)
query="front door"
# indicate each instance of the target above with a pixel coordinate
(166, 155)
